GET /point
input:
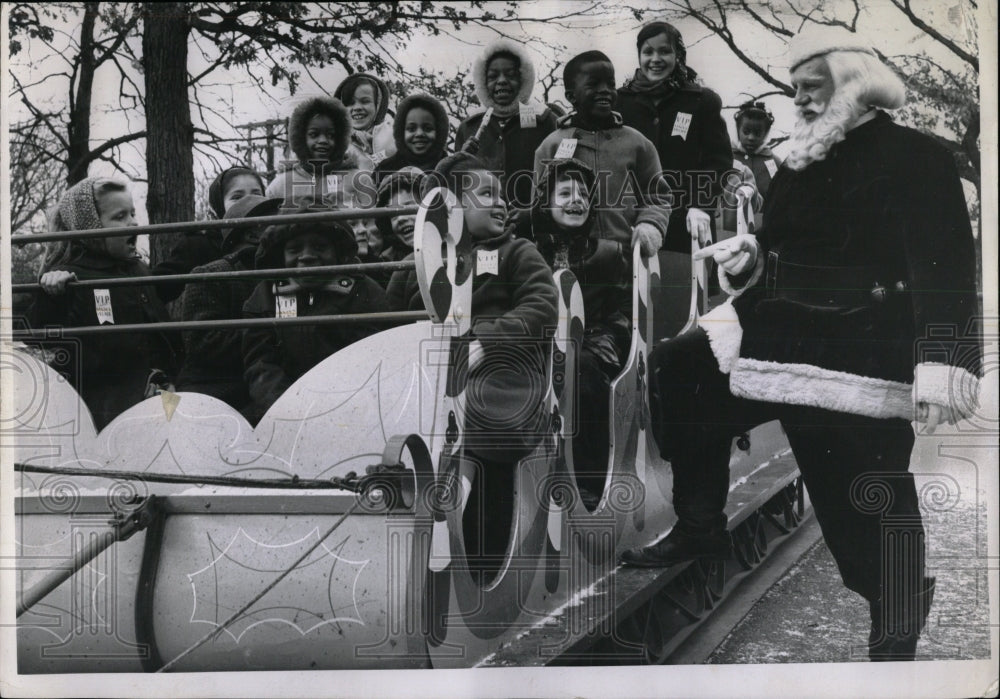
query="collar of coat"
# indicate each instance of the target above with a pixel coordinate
(568, 121)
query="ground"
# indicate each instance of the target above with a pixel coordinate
(809, 616)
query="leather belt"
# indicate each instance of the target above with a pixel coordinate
(815, 285)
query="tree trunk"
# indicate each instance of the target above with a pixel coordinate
(169, 134)
(78, 128)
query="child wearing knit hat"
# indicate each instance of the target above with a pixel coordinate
(111, 372)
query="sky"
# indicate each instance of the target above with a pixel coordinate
(236, 100)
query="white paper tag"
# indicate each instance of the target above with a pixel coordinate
(378, 156)
(682, 122)
(529, 119)
(487, 262)
(333, 183)
(771, 166)
(102, 301)
(286, 307)
(566, 148)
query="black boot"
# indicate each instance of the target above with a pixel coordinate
(678, 546)
(894, 633)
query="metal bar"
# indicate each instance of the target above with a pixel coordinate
(280, 273)
(294, 483)
(390, 318)
(119, 531)
(216, 224)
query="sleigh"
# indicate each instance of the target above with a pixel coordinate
(330, 535)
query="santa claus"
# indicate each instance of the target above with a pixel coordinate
(852, 317)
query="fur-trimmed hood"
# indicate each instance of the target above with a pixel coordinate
(299, 120)
(441, 124)
(480, 65)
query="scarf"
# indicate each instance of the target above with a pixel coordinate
(364, 140)
(681, 77)
(76, 211)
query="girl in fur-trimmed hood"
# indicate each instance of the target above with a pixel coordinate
(328, 167)
(421, 133)
(505, 134)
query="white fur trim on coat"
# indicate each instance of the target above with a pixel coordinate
(480, 64)
(806, 384)
(946, 385)
(725, 334)
(726, 282)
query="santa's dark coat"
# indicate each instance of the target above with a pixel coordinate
(886, 209)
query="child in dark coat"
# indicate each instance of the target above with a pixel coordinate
(561, 219)
(202, 247)
(328, 169)
(421, 132)
(504, 76)
(397, 189)
(213, 362)
(514, 304)
(274, 358)
(113, 371)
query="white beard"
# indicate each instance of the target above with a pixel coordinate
(811, 140)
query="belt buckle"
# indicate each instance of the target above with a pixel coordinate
(771, 273)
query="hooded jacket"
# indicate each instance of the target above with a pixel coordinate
(378, 141)
(631, 193)
(274, 358)
(403, 156)
(345, 180)
(507, 146)
(393, 249)
(600, 266)
(690, 137)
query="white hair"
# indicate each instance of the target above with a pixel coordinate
(861, 82)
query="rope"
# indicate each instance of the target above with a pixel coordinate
(294, 483)
(215, 632)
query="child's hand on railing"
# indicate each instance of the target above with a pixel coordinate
(648, 237)
(699, 225)
(54, 283)
(733, 255)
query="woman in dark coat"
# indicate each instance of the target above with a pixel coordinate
(683, 119)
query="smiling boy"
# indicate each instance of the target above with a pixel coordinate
(631, 202)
